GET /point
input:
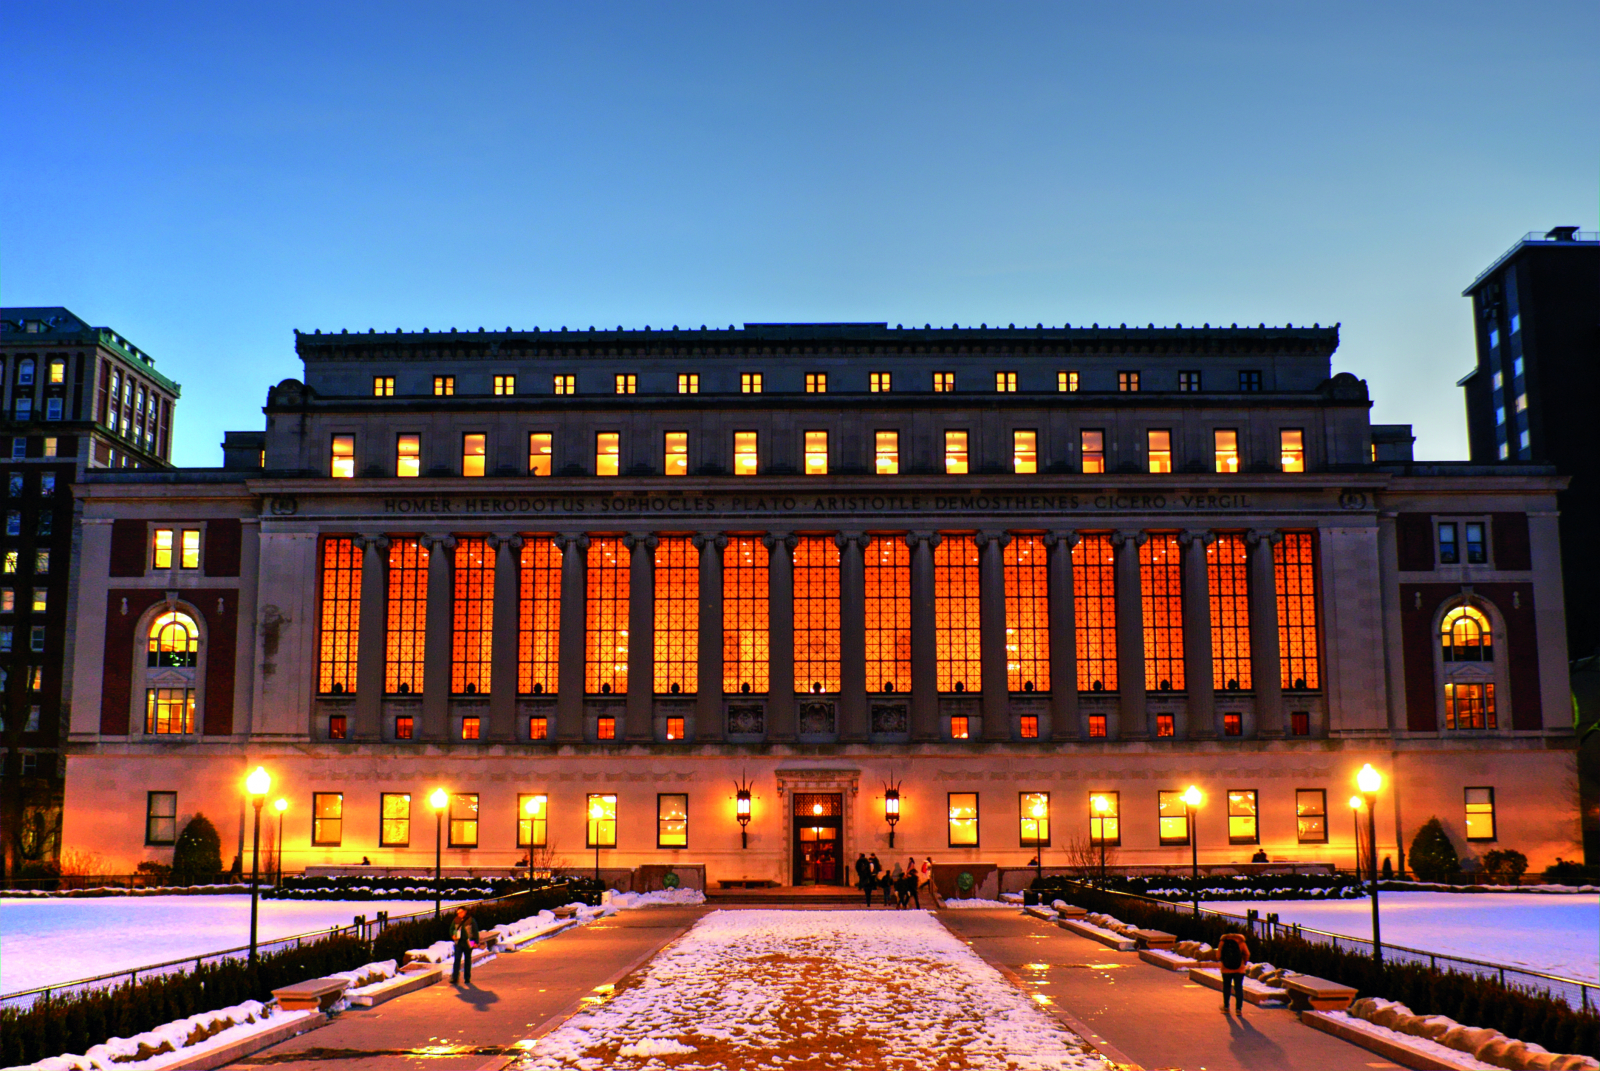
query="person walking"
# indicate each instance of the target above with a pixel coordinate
(1234, 952)
(925, 880)
(894, 879)
(464, 935)
(914, 882)
(864, 877)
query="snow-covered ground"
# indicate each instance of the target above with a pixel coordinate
(46, 941)
(1556, 934)
(749, 989)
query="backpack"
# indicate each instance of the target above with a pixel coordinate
(1231, 954)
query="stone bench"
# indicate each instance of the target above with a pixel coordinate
(1039, 911)
(1069, 911)
(398, 986)
(1308, 993)
(1167, 959)
(743, 884)
(1154, 938)
(1095, 933)
(318, 994)
(1254, 992)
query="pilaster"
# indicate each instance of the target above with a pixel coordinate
(1064, 721)
(1132, 722)
(852, 638)
(992, 635)
(1264, 669)
(372, 644)
(574, 594)
(639, 720)
(1199, 721)
(780, 625)
(440, 638)
(708, 704)
(924, 642)
(503, 649)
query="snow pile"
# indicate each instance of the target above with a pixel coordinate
(170, 1042)
(628, 901)
(364, 980)
(741, 991)
(1478, 1043)
(972, 904)
(510, 931)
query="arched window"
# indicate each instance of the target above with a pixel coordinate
(25, 372)
(1465, 636)
(174, 641)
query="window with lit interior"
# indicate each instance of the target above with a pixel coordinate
(1027, 581)
(745, 622)
(339, 632)
(539, 616)
(957, 636)
(1294, 565)
(677, 616)
(606, 617)
(1094, 609)
(816, 614)
(472, 616)
(1161, 599)
(1228, 580)
(407, 616)
(887, 576)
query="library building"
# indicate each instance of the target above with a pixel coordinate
(761, 599)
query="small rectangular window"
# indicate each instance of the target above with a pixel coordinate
(1300, 723)
(744, 453)
(1225, 447)
(1172, 818)
(605, 728)
(1233, 725)
(327, 819)
(8, 600)
(1159, 448)
(816, 382)
(1092, 445)
(189, 555)
(40, 596)
(627, 383)
(607, 453)
(474, 454)
(676, 729)
(1025, 451)
(955, 453)
(944, 382)
(1477, 551)
(505, 385)
(444, 386)
(1480, 814)
(408, 455)
(1035, 826)
(960, 728)
(676, 453)
(383, 386)
(533, 820)
(344, 457)
(1029, 727)
(1097, 726)
(58, 370)
(47, 484)
(394, 818)
(538, 728)
(1105, 819)
(1066, 382)
(1449, 552)
(36, 638)
(600, 821)
(161, 550)
(886, 453)
(6, 632)
(963, 819)
(1292, 449)
(52, 411)
(1242, 816)
(565, 384)
(470, 727)
(1166, 725)
(1188, 381)
(688, 382)
(539, 453)
(1250, 380)
(160, 818)
(1005, 382)
(1128, 381)
(404, 727)
(12, 557)
(750, 383)
(878, 382)
(463, 820)
(672, 820)
(1311, 815)
(168, 711)
(338, 726)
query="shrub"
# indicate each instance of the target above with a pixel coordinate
(154, 873)
(1567, 872)
(1433, 857)
(1504, 866)
(197, 856)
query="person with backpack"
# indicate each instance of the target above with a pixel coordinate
(1234, 952)
(464, 936)
(864, 877)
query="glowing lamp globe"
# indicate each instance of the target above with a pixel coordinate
(531, 806)
(438, 799)
(1369, 780)
(1356, 803)
(259, 783)
(1192, 796)
(1101, 804)
(280, 805)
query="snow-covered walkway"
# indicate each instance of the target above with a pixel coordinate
(815, 989)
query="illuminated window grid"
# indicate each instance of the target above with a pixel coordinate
(444, 386)
(1028, 726)
(605, 641)
(463, 821)
(188, 552)
(957, 637)
(1092, 447)
(745, 653)
(879, 382)
(472, 616)
(1094, 612)
(1480, 813)
(533, 823)
(605, 728)
(677, 617)
(607, 453)
(887, 562)
(403, 726)
(676, 729)
(944, 382)
(1027, 578)
(1035, 814)
(169, 710)
(408, 455)
(1005, 382)
(383, 386)
(600, 821)
(750, 383)
(394, 820)
(1161, 603)
(1128, 381)
(1066, 381)
(327, 818)
(745, 461)
(1311, 815)
(963, 819)
(816, 382)
(505, 385)
(471, 726)
(540, 453)
(1172, 818)
(672, 820)
(344, 457)
(407, 616)
(538, 727)
(539, 617)
(474, 450)
(816, 453)
(1242, 828)
(160, 550)
(1166, 725)
(688, 382)
(960, 727)
(1097, 726)
(1233, 725)
(340, 631)
(886, 453)
(675, 453)
(565, 384)
(1025, 451)
(1294, 564)
(1225, 448)
(1469, 705)
(1228, 578)
(1158, 449)
(1105, 822)
(626, 383)
(955, 453)
(816, 615)
(1292, 450)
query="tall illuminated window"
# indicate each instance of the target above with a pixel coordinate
(407, 616)
(1024, 451)
(1292, 450)
(394, 819)
(886, 453)
(1105, 818)
(887, 562)
(675, 453)
(408, 455)
(341, 615)
(963, 819)
(472, 612)
(626, 383)
(600, 822)
(944, 382)
(1294, 563)
(505, 385)
(1469, 705)
(1092, 445)
(540, 455)
(816, 453)
(605, 661)
(957, 636)
(539, 617)
(878, 382)
(672, 820)
(1005, 382)
(1159, 449)
(1172, 818)
(816, 382)
(474, 449)
(462, 824)
(1228, 577)
(1027, 614)
(677, 616)
(745, 652)
(1242, 810)
(1094, 611)
(344, 457)
(955, 453)
(745, 453)
(1035, 813)
(688, 382)
(816, 614)
(749, 382)
(607, 453)
(1465, 636)
(533, 820)
(1161, 599)
(1225, 449)
(564, 384)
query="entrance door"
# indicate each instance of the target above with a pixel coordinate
(818, 830)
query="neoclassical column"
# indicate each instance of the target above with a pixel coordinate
(709, 723)
(440, 639)
(1264, 669)
(1064, 720)
(780, 635)
(1132, 722)
(992, 634)
(852, 637)
(639, 719)
(503, 652)
(924, 641)
(1200, 719)
(373, 642)
(574, 620)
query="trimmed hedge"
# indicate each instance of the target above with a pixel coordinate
(296, 887)
(72, 1022)
(1467, 998)
(1245, 886)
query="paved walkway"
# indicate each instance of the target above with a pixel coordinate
(513, 998)
(1152, 1017)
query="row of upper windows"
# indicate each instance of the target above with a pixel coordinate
(886, 459)
(39, 602)
(1005, 382)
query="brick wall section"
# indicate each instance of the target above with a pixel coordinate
(127, 548)
(116, 679)
(1510, 536)
(223, 539)
(1414, 534)
(122, 646)
(222, 633)
(1515, 603)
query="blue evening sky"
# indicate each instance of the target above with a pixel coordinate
(204, 178)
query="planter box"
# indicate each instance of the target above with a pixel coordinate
(1167, 960)
(1069, 911)
(1307, 993)
(1095, 933)
(1154, 938)
(318, 994)
(224, 1055)
(398, 986)
(1415, 1053)
(1254, 992)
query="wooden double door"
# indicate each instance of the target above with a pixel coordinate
(819, 838)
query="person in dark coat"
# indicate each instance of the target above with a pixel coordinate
(464, 935)
(913, 880)
(1234, 954)
(864, 876)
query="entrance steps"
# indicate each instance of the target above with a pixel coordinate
(786, 896)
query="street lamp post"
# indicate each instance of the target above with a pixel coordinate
(1369, 781)
(1356, 803)
(1101, 805)
(280, 805)
(596, 813)
(438, 800)
(1192, 798)
(1039, 812)
(258, 784)
(531, 808)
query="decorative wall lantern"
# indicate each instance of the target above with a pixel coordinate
(741, 810)
(891, 808)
